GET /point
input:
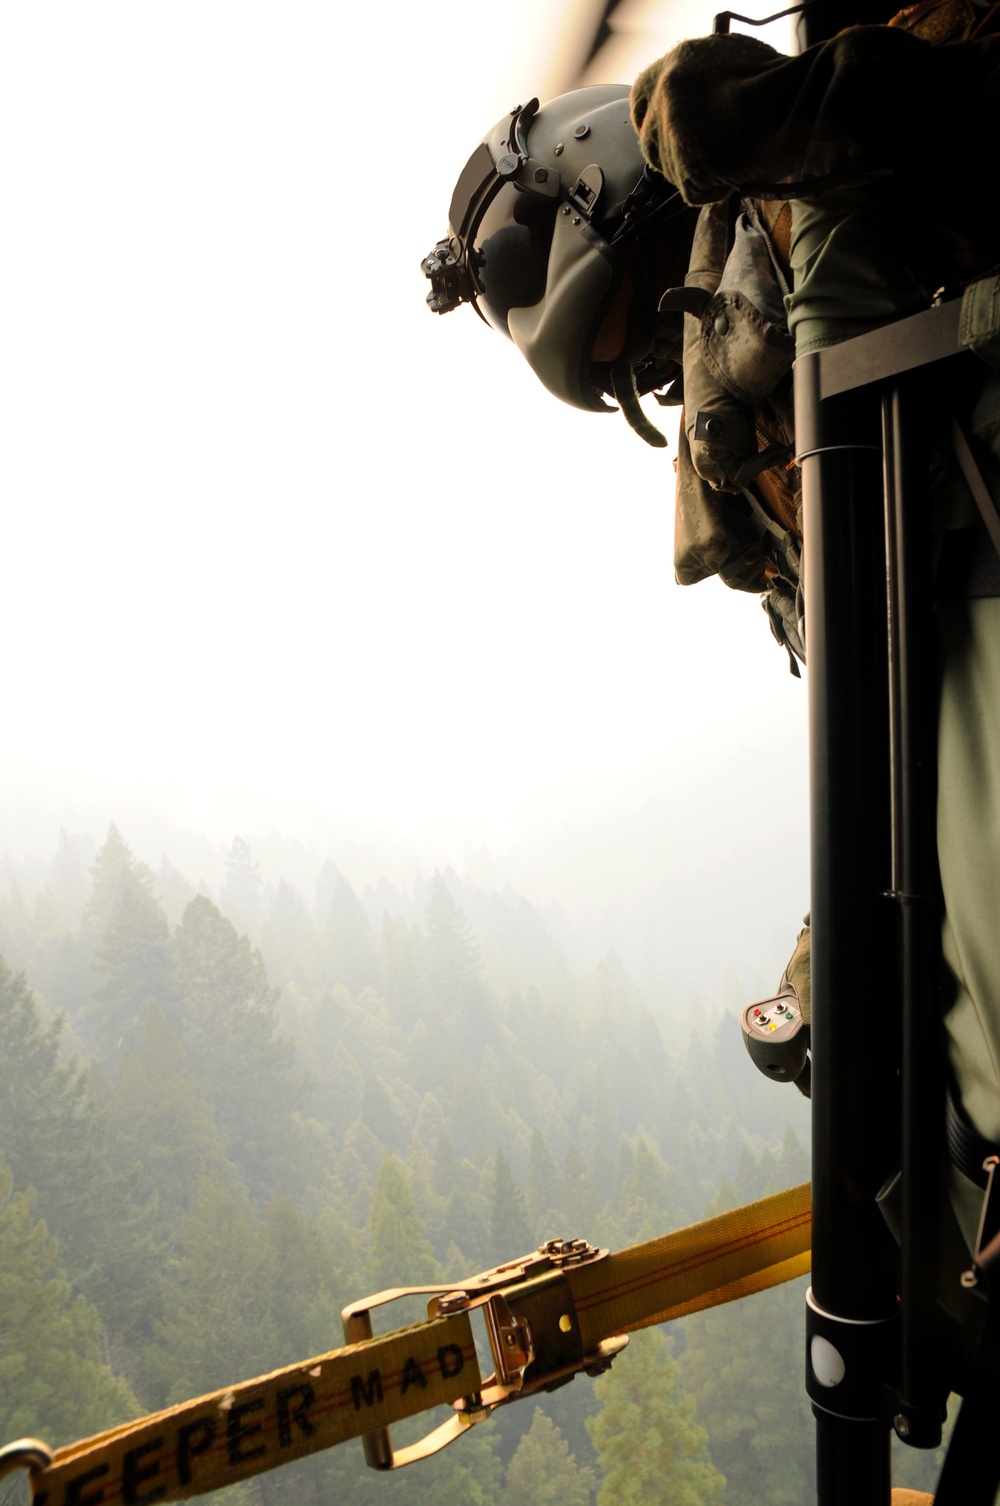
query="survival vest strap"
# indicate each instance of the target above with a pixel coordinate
(737, 502)
(564, 1309)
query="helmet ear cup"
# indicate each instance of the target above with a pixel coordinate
(587, 139)
(612, 337)
(556, 334)
(542, 223)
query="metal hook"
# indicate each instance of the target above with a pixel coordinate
(24, 1453)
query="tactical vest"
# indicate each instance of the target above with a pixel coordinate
(738, 512)
(738, 509)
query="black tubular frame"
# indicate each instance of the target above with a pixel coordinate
(877, 1060)
(850, 1315)
(877, 1042)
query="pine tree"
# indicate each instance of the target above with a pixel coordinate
(114, 860)
(510, 1227)
(219, 1328)
(743, 1365)
(453, 959)
(229, 1029)
(544, 1191)
(311, 1280)
(599, 1134)
(53, 958)
(162, 1131)
(404, 985)
(174, 890)
(384, 1115)
(68, 875)
(351, 956)
(54, 1138)
(288, 941)
(578, 1195)
(647, 1441)
(247, 1293)
(53, 1384)
(398, 1251)
(241, 897)
(16, 939)
(132, 969)
(543, 1472)
(644, 1200)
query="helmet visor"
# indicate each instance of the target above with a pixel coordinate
(508, 257)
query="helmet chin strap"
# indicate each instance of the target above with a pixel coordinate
(642, 322)
(626, 395)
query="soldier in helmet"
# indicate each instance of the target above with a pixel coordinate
(563, 240)
(567, 242)
(877, 136)
(841, 188)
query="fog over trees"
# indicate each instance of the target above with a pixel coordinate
(223, 1115)
(253, 1068)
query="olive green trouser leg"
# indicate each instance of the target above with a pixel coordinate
(968, 637)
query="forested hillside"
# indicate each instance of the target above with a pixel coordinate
(222, 1116)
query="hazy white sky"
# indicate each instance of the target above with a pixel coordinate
(268, 524)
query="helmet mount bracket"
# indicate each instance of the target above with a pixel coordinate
(546, 218)
(585, 195)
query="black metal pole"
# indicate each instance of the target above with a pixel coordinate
(856, 996)
(855, 1012)
(914, 889)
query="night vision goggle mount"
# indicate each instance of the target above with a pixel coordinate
(450, 280)
(447, 266)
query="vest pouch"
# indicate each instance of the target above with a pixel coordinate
(702, 539)
(718, 422)
(744, 340)
(721, 432)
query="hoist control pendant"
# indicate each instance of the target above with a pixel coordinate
(777, 1037)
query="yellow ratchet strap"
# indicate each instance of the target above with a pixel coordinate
(257, 1425)
(719, 1260)
(568, 1307)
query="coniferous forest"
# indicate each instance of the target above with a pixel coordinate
(224, 1116)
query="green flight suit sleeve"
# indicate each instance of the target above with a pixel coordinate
(725, 112)
(874, 135)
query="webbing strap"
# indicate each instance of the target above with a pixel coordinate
(259, 1424)
(719, 1260)
(231, 1435)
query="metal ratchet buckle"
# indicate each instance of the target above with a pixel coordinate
(532, 1327)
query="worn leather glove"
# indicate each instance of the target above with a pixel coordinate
(796, 977)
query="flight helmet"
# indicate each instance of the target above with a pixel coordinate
(549, 236)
